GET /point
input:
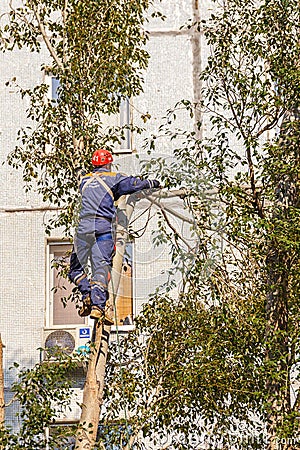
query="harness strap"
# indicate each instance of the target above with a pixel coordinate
(100, 181)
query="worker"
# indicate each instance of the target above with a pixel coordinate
(94, 238)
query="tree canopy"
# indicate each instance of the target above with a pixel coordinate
(97, 52)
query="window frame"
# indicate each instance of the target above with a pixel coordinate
(49, 325)
(122, 118)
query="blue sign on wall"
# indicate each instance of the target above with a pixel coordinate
(85, 332)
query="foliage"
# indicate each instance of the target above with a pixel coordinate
(96, 51)
(42, 393)
(220, 360)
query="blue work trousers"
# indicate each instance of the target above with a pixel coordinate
(99, 251)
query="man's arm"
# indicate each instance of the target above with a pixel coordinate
(129, 185)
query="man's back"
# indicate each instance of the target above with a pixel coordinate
(99, 190)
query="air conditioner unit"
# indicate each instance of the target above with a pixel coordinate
(71, 340)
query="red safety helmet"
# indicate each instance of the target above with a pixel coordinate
(101, 157)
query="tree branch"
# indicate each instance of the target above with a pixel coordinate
(46, 39)
(155, 197)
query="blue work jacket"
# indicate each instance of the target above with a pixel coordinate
(99, 190)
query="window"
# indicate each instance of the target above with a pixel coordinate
(125, 146)
(65, 315)
(53, 85)
(123, 119)
(61, 435)
(62, 431)
(59, 288)
(119, 125)
(54, 88)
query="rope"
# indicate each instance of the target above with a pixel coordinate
(142, 213)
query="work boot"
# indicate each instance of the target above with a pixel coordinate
(86, 307)
(99, 314)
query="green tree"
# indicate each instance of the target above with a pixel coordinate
(96, 51)
(221, 358)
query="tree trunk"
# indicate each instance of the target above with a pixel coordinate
(95, 380)
(277, 350)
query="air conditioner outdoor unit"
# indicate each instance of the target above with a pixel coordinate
(72, 340)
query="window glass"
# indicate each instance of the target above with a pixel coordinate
(61, 313)
(54, 88)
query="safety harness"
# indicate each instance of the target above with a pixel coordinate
(97, 176)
